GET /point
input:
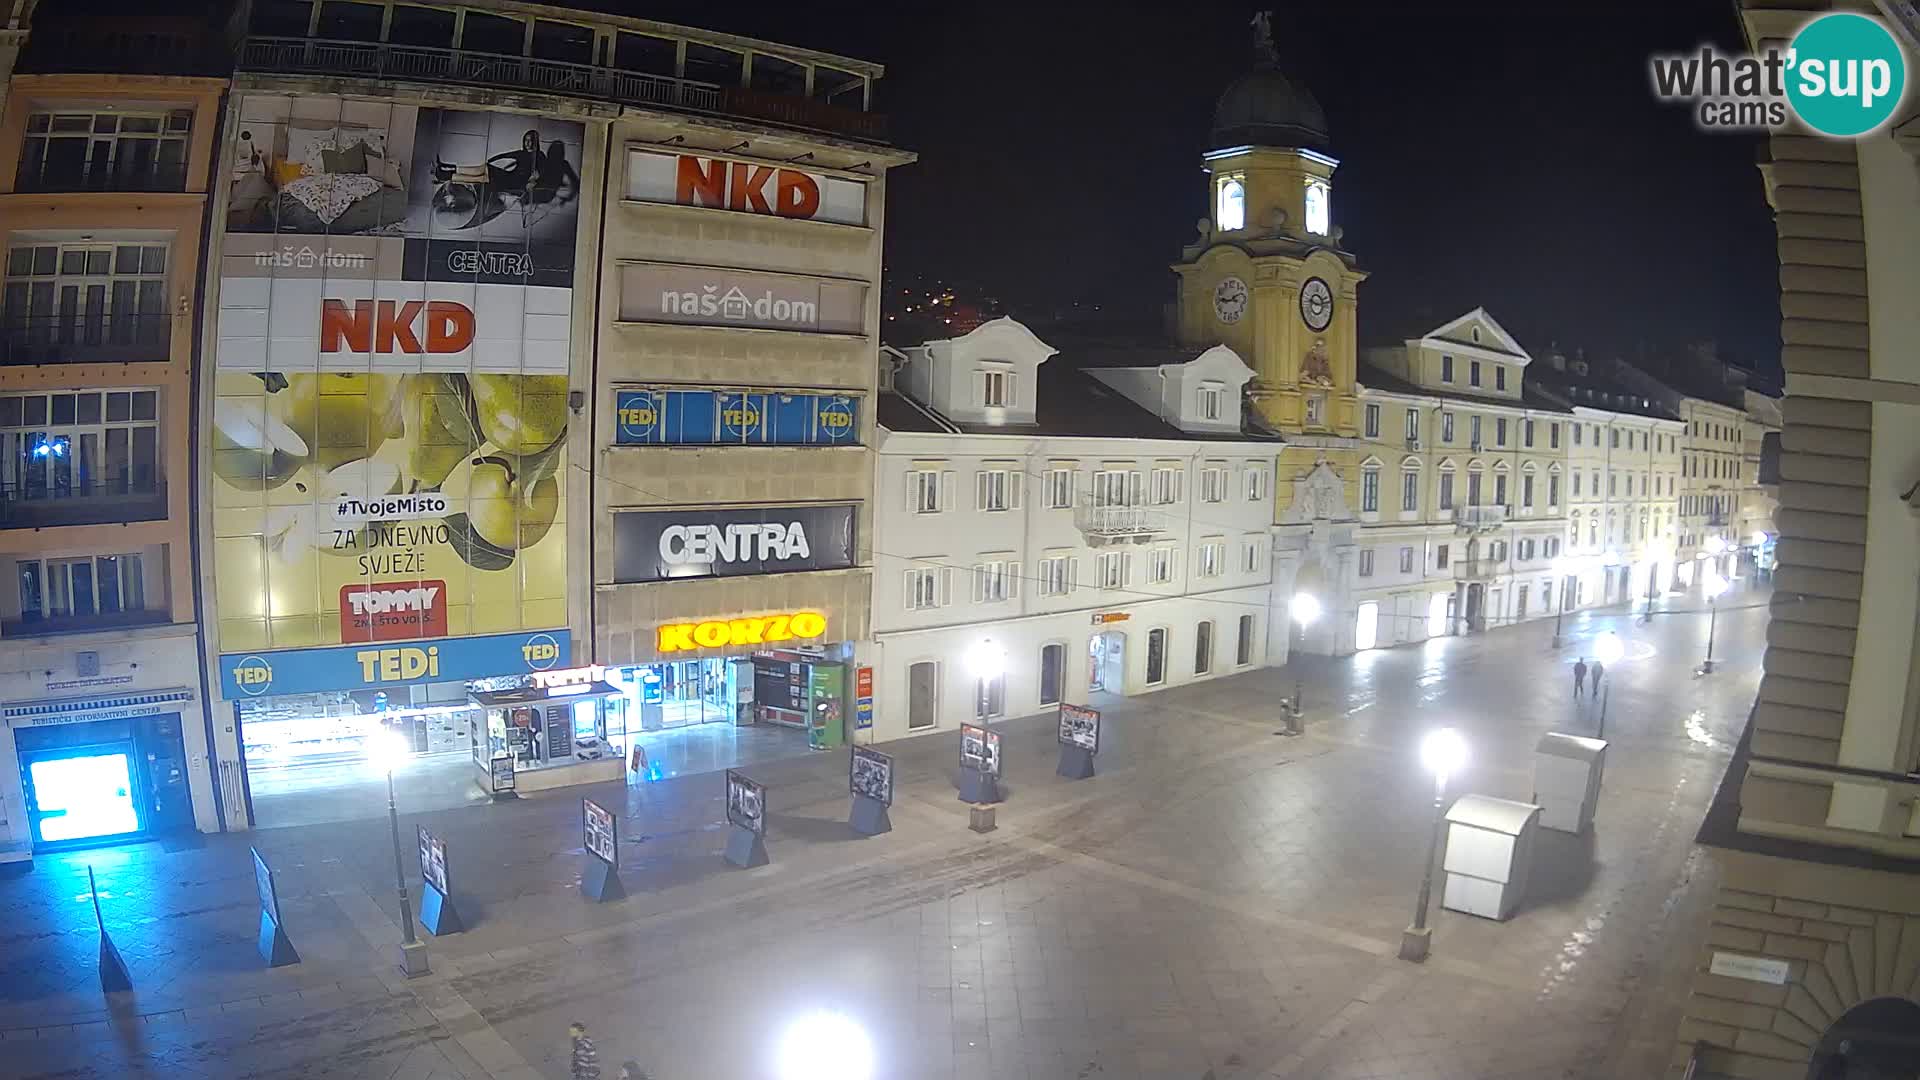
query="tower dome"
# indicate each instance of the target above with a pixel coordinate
(1265, 108)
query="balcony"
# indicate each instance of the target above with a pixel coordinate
(110, 502)
(375, 60)
(52, 178)
(1107, 525)
(1478, 569)
(80, 624)
(85, 339)
(1477, 518)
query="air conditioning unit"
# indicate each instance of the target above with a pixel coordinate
(1413, 442)
(1476, 446)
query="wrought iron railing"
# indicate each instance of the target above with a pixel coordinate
(1118, 521)
(84, 338)
(424, 64)
(1479, 517)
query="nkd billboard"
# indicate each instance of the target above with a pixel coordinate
(388, 445)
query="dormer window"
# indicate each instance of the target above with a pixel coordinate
(1231, 212)
(1208, 400)
(1319, 210)
(1476, 335)
(996, 388)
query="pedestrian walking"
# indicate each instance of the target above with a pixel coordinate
(1579, 677)
(586, 1059)
(1599, 669)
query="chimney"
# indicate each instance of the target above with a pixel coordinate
(1579, 364)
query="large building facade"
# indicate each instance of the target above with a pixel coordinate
(1809, 965)
(106, 160)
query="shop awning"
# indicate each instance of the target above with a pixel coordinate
(537, 695)
(82, 710)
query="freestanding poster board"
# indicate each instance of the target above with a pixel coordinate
(113, 969)
(870, 781)
(1079, 741)
(747, 816)
(1566, 780)
(979, 765)
(274, 946)
(600, 836)
(1489, 852)
(437, 912)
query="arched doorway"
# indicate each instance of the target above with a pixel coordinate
(1878, 1039)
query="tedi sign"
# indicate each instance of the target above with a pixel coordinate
(661, 545)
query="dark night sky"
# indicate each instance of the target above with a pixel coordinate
(1509, 155)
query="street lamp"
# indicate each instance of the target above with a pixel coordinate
(385, 750)
(1559, 570)
(1715, 585)
(1442, 752)
(988, 661)
(826, 1046)
(1305, 608)
(1607, 649)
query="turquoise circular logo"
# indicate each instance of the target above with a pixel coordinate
(1846, 74)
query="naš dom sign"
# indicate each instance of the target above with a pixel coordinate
(754, 630)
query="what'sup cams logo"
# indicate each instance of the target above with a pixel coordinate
(1842, 75)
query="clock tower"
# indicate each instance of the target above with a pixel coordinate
(1267, 276)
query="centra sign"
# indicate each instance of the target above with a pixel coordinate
(757, 630)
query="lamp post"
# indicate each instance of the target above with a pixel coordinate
(1607, 649)
(987, 660)
(1305, 608)
(1715, 586)
(1442, 752)
(385, 751)
(1559, 608)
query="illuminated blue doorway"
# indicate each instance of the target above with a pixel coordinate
(82, 795)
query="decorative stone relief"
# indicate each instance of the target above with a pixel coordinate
(1318, 496)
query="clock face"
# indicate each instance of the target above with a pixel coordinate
(1316, 304)
(1230, 299)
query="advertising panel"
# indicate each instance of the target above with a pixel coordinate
(870, 775)
(391, 373)
(775, 190)
(980, 749)
(718, 296)
(658, 545)
(660, 417)
(433, 861)
(1080, 726)
(263, 884)
(746, 803)
(600, 833)
(349, 667)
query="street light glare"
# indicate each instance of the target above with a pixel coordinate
(1716, 545)
(1306, 608)
(1715, 585)
(1608, 648)
(385, 749)
(986, 659)
(1759, 539)
(826, 1046)
(1443, 752)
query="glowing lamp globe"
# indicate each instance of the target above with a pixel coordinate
(826, 1046)
(1608, 648)
(1306, 608)
(1443, 752)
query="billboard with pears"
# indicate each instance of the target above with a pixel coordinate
(388, 436)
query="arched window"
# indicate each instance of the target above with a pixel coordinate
(1319, 214)
(1231, 214)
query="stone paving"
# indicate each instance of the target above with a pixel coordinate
(1219, 902)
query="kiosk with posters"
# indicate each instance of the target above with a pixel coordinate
(554, 731)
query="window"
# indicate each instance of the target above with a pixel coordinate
(107, 151)
(1552, 546)
(1410, 490)
(1373, 421)
(1473, 487)
(1156, 656)
(1059, 489)
(1250, 555)
(1413, 427)
(1596, 433)
(990, 697)
(1213, 483)
(1613, 438)
(1446, 491)
(1577, 429)
(1526, 433)
(1213, 558)
(1473, 431)
(1611, 484)
(1319, 212)
(926, 588)
(1526, 492)
(923, 491)
(1370, 491)
(1056, 575)
(1499, 489)
(1316, 410)
(107, 300)
(508, 37)
(1165, 485)
(995, 580)
(1441, 554)
(1553, 490)
(1576, 483)
(83, 443)
(1053, 665)
(1209, 400)
(1553, 436)
(1499, 376)
(1203, 648)
(1231, 211)
(1160, 564)
(923, 680)
(1116, 487)
(996, 388)
(81, 588)
(1366, 562)
(996, 489)
(1500, 431)
(1446, 368)
(1243, 650)
(1446, 427)
(1256, 483)
(1112, 567)
(1473, 373)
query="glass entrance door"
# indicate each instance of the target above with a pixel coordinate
(82, 794)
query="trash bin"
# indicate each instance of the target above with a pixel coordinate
(1489, 849)
(1566, 780)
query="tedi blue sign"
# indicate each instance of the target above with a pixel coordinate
(360, 667)
(724, 418)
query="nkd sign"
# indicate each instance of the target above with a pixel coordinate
(745, 187)
(712, 296)
(661, 545)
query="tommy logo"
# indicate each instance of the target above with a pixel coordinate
(394, 326)
(393, 611)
